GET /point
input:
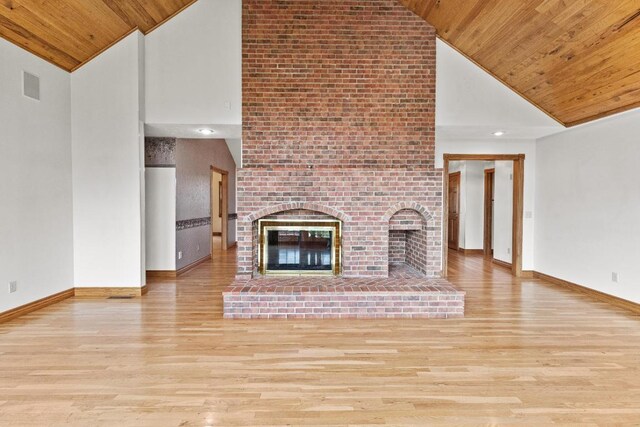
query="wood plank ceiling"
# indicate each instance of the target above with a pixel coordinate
(577, 60)
(68, 33)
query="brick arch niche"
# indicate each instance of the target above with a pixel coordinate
(409, 242)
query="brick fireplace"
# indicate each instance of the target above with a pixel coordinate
(339, 123)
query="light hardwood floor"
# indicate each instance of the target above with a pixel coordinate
(527, 353)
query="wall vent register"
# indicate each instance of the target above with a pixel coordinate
(31, 86)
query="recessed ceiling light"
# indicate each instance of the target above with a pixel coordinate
(499, 133)
(206, 131)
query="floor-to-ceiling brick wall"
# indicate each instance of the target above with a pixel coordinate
(339, 117)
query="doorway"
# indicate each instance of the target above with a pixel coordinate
(516, 207)
(454, 211)
(489, 200)
(219, 209)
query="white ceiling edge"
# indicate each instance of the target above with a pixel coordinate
(472, 104)
(173, 130)
(232, 134)
(453, 133)
(601, 121)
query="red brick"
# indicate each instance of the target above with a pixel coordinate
(339, 118)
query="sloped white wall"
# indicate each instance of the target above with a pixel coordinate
(588, 205)
(471, 103)
(36, 227)
(194, 66)
(107, 168)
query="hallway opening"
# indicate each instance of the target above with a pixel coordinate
(484, 208)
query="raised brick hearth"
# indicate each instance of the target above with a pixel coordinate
(339, 123)
(299, 297)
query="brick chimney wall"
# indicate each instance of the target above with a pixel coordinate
(339, 117)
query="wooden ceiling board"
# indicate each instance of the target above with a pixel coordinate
(69, 33)
(42, 27)
(577, 60)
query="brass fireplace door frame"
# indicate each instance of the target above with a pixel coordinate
(300, 225)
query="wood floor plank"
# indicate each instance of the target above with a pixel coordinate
(526, 353)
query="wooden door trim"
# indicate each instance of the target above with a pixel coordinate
(518, 204)
(224, 227)
(485, 157)
(489, 181)
(459, 175)
(518, 212)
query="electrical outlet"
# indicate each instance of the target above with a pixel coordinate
(13, 287)
(614, 277)
(509, 250)
(227, 105)
(198, 248)
(179, 254)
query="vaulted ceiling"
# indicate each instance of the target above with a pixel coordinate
(69, 33)
(577, 60)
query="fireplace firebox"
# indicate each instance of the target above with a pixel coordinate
(299, 247)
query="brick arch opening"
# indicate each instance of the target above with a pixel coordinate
(408, 241)
(393, 210)
(292, 206)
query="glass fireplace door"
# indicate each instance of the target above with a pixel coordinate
(299, 248)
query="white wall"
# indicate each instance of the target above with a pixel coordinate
(474, 215)
(503, 212)
(36, 227)
(588, 205)
(160, 184)
(107, 183)
(471, 103)
(194, 66)
(504, 146)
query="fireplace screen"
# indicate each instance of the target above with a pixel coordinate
(299, 247)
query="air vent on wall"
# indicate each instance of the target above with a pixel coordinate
(31, 86)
